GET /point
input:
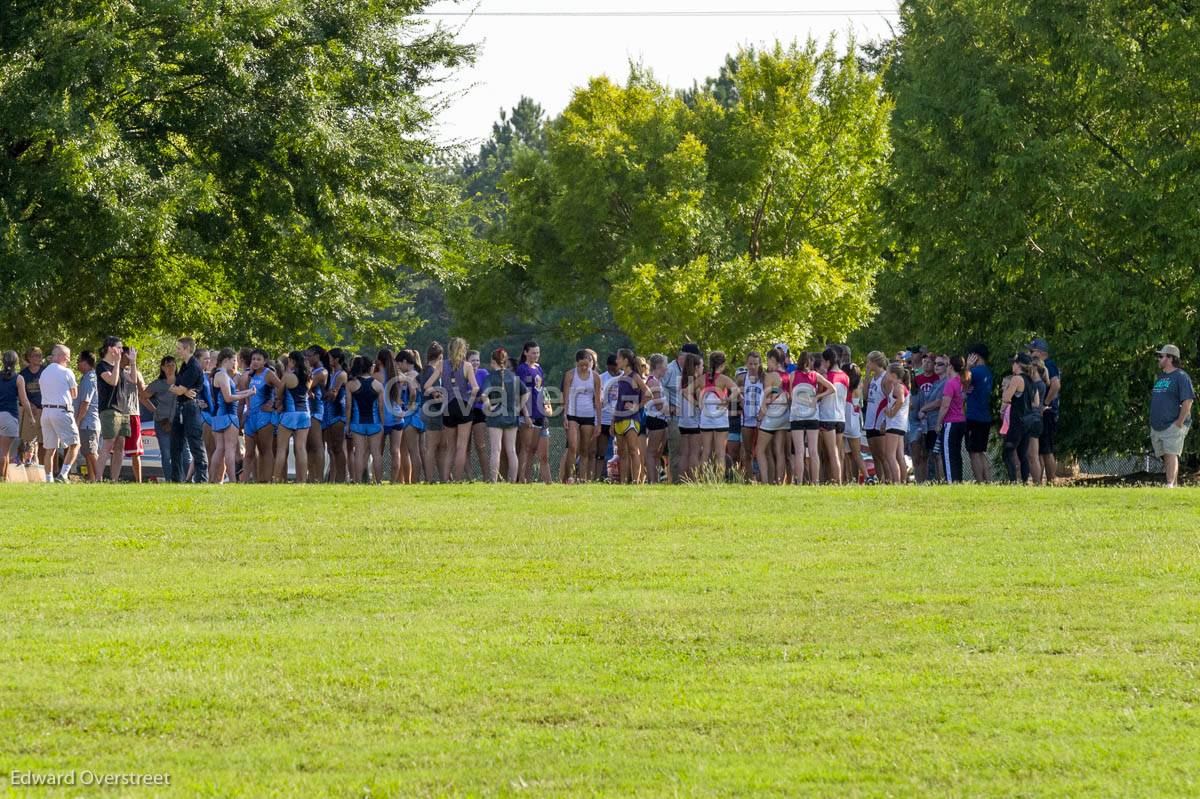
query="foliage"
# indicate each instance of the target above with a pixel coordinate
(667, 217)
(1047, 164)
(243, 171)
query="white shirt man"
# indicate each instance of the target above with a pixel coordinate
(58, 412)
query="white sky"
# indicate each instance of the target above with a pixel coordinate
(547, 57)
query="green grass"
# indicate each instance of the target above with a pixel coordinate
(352, 641)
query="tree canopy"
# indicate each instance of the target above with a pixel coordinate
(243, 171)
(1047, 164)
(734, 219)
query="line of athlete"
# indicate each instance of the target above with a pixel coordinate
(776, 419)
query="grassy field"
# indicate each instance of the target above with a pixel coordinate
(355, 641)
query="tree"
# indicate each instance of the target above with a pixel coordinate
(733, 220)
(1046, 171)
(247, 172)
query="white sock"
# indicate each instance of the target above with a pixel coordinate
(66, 470)
(49, 478)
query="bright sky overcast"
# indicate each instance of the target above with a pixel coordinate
(547, 57)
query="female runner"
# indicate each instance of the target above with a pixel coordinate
(458, 378)
(751, 384)
(387, 375)
(225, 417)
(534, 442)
(581, 387)
(657, 413)
(631, 395)
(718, 393)
(691, 381)
(773, 419)
(895, 423)
(261, 417)
(408, 364)
(433, 406)
(333, 428)
(318, 367)
(295, 420)
(808, 389)
(364, 410)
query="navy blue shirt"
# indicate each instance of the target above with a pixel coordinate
(978, 406)
(1052, 370)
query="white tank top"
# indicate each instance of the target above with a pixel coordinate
(900, 420)
(832, 407)
(608, 390)
(581, 399)
(689, 414)
(657, 407)
(874, 401)
(714, 414)
(752, 393)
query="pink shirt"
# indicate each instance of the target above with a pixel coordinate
(954, 393)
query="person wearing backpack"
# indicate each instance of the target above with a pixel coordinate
(1024, 401)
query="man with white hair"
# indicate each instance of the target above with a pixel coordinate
(58, 389)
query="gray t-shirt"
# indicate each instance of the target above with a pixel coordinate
(670, 383)
(164, 400)
(1170, 391)
(87, 393)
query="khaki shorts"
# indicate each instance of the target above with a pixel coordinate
(89, 441)
(58, 429)
(1169, 441)
(114, 424)
(31, 428)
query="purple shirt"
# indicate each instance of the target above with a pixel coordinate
(532, 377)
(481, 376)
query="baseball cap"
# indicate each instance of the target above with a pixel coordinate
(1168, 349)
(694, 349)
(784, 347)
(1039, 344)
(1022, 358)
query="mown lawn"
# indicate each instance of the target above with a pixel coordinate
(357, 641)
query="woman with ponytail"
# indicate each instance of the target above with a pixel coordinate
(295, 420)
(364, 414)
(318, 365)
(535, 441)
(717, 394)
(504, 405)
(895, 424)
(224, 417)
(808, 388)
(333, 429)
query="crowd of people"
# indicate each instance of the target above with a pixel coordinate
(244, 416)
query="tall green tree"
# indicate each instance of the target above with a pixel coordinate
(244, 171)
(731, 219)
(1047, 162)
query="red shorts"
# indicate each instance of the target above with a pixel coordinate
(133, 443)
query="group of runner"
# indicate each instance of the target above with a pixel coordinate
(243, 415)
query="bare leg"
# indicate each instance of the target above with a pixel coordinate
(566, 468)
(510, 449)
(830, 453)
(375, 443)
(543, 454)
(264, 443)
(315, 453)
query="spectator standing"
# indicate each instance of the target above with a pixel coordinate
(187, 426)
(133, 406)
(30, 392)
(58, 389)
(87, 415)
(978, 411)
(1039, 348)
(1171, 401)
(10, 411)
(111, 389)
(161, 403)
